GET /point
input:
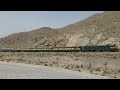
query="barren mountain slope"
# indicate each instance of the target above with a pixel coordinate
(98, 29)
(43, 37)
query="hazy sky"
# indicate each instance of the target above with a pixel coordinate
(20, 21)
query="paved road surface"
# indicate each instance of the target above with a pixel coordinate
(25, 71)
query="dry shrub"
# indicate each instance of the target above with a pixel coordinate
(81, 65)
(98, 69)
(114, 57)
(46, 64)
(77, 67)
(66, 67)
(106, 63)
(89, 66)
(76, 59)
(91, 71)
(118, 70)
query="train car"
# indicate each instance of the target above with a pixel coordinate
(54, 49)
(6, 50)
(100, 48)
(66, 49)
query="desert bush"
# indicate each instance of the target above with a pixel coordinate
(91, 71)
(46, 64)
(106, 63)
(66, 67)
(118, 70)
(89, 66)
(114, 57)
(77, 66)
(76, 59)
(98, 69)
(81, 65)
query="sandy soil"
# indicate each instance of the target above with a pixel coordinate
(10, 70)
(103, 63)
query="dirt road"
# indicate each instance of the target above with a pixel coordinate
(27, 71)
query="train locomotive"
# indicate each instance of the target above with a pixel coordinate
(100, 48)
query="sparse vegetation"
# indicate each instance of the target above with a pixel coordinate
(62, 60)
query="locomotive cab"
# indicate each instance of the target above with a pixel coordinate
(113, 48)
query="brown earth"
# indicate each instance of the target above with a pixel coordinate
(105, 64)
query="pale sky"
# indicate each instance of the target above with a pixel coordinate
(21, 21)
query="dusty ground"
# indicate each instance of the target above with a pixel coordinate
(102, 63)
(10, 70)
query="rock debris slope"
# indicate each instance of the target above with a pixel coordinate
(99, 29)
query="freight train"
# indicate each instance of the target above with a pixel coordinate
(98, 48)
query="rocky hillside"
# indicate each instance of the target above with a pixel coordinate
(98, 29)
